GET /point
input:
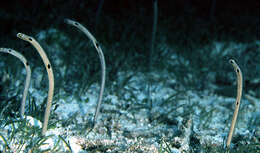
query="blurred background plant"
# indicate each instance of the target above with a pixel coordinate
(191, 53)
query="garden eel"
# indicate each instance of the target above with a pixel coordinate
(28, 75)
(102, 61)
(50, 76)
(239, 94)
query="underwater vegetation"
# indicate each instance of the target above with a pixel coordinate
(166, 92)
(50, 71)
(99, 99)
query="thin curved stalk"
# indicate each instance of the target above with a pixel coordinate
(28, 75)
(102, 61)
(155, 22)
(238, 98)
(48, 67)
(100, 5)
(212, 9)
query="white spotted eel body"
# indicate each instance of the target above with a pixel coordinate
(28, 75)
(48, 67)
(102, 61)
(238, 99)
